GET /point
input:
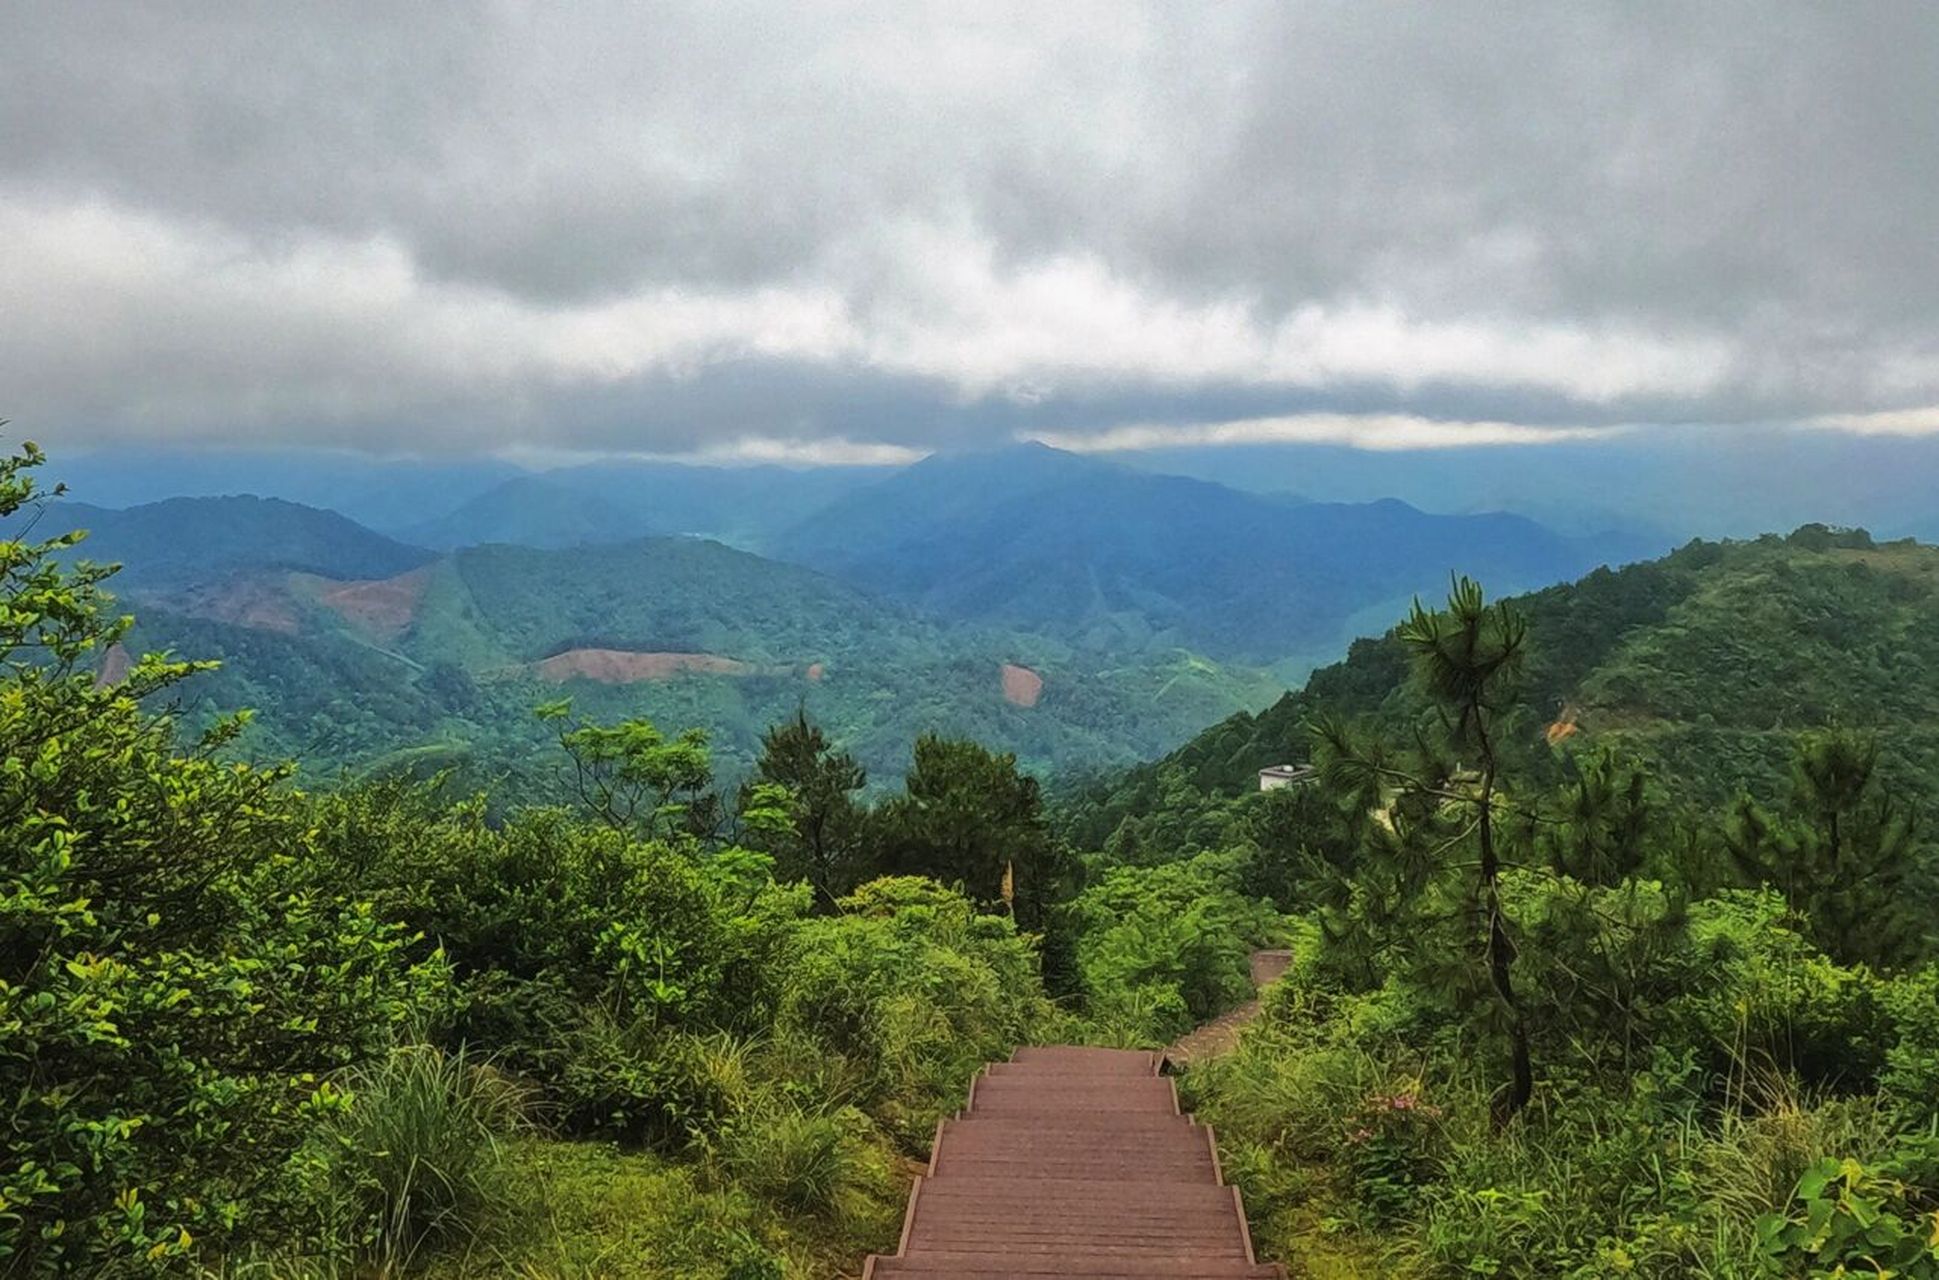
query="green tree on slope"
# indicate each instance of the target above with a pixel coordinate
(1436, 850)
(967, 815)
(824, 839)
(1840, 853)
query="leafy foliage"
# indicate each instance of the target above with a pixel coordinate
(1723, 1009)
(1163, 948)
(170, 1009)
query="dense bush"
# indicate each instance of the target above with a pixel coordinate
(914, 989)
(173, 999)
(1720, 1080)
(1165, 947)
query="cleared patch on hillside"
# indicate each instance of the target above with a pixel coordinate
(259, 603)
(116, 663)
(620, 666)
(384, 606)
(1021, 686)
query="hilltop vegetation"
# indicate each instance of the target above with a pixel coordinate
(1617, 916)
(1550, 1013)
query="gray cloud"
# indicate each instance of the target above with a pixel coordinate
(673, 227)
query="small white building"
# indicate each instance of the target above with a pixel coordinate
(1275, 776)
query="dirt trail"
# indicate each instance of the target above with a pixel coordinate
(1221, 1034)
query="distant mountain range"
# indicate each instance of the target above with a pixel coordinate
(355, 649)
(190, 540)
(1110, 557)
(381, 493)
(1074, 610)
(617, 502)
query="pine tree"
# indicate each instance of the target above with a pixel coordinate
(1840, 853)
(968, 816)
(824, 840)
(1413, 893)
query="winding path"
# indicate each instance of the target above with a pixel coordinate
(1222, 1033)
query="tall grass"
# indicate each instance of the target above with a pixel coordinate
(812, 1160)
(416, 1155)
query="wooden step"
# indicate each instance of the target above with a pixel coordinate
(996, 1095)
(996, 1266)
(1096, 1062)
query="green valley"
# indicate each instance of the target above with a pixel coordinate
(441, 663)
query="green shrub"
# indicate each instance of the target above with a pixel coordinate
(807, 1160)
(1847, 1219)
(914, 989)
(590, 960)
(1755, 990)
(1164, 948)
(175, 988)
(1911, 1078)
(1394, 1146)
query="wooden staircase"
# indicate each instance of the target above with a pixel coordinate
(1073, 1161)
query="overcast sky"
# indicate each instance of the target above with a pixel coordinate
(859, 231)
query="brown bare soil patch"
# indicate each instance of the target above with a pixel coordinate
(385, 606)
(116, 663)
(1021, 686)
(618, 666)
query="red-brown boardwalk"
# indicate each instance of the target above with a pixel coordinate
(1073, 1162)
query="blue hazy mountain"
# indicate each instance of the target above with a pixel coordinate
(1115, 557)
(1671, 484)
(620, 501)
(382, 493)
(182, 541)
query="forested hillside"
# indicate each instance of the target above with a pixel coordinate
(358, 651)
(1106, 556)
(1704, 664)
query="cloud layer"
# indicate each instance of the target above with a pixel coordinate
(837, 230)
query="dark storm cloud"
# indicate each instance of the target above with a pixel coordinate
(669, 227)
